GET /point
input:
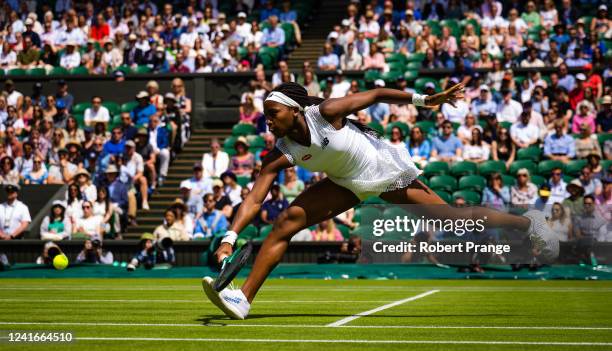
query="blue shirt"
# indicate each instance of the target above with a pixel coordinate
(276, 35)
(140, 115)
(118, 193)
(328, 60)
(274, 208)
(486, 107)
(289, 16)
(568, 82)
(208, 218)
(423, 150)
(110, 147)
(446, 147)
(379, 111)
(266, 13)
(559, 145)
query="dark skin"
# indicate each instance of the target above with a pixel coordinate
(306, 209)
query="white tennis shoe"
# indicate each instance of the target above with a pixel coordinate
(231, 301)
(542, 236)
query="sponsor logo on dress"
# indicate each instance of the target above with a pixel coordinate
(306, 157)
(325, 143)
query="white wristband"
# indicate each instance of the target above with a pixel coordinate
(418, 99)
(230, 237)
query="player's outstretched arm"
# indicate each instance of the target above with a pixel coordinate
(273, 163)
(338, 108)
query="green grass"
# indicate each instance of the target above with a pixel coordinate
(510, 313)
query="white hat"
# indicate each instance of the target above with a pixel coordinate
(142, 94)
(430, 85)
(379, 83)
(602, 7)
(186, 184)
(346, 22)
(241, 15)
(29, 21)
(580, 76)
(132, 36)
(484, 87)
(130, 143)
(225, 26)
(333, 35)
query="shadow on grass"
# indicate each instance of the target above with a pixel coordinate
(219, 319)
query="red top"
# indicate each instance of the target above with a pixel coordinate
(99, 32)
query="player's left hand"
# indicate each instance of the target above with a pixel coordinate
(449, 96)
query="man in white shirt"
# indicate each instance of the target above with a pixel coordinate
(243, 27)
(494, 19)
(200, 185)
(558, 187)
(532, 59)
(340, 87)
(216, 161)
(71, 58)
(457, 113)
(189, 36)
(13, 97)
(135, 166)
(523, 133)
(370, 27)
(96, 113)
(14, 214)
(508, 110)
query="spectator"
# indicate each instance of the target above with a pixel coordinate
(71, 57)
(15, 216)
(183, 218)
(375, 60)
(216, 161)
(111, 56)
(244, 161)
(476, 150)
(523, 133)
(272, 208)
(211, 222)
(532, 60)
(574, 202)
(92, 253)
(74, 202)
(141, 114)
(116, 145)
(351, 59)
(558, 145)
(231, 187)
(159, 141)
(200, 185)
(464, 132)
(127, 126)
(89, 225)
(103, 208)
(135, 166)
(586, 143)
(604, 116)
(222, 201)
(509, 109)
(379, 111)
(446, 147)
(496, 194)
(38, 174)
(558, 187)
(74, 134)
(419, 146)
(329, 60)
(560, 222)
(8, 173)
(182, 101)
(193, 203)
(590, 184)
(248, 113)
(292, 186)
(29, 55)
(584, 116)
(369, 26)
(326, 231)
(117, 189)
(588, 226)
(273, 36)
(96, 113)
(56, 226)
(524, 193)
(483, 105)
(170, 228)
(13, 97)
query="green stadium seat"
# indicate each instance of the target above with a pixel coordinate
(265, 231)
(113, 107)
(366, 214)
(289, 32)
(363, 231)
(374, 200)
(371, 75)
(377, 127)
(444, 196)
(256, 141)
(115, 122)
(80, 118)
(532, 153)
(574, 167)
(464, 168)
(508, 180)
(230, 151)
(413, 66)
(346, 231)
(411, 75)
(506, 125)
(391, 76)
(530, 165)
(129, 106)
(472, 182)
(443, 182)
(423, 179)
(81, 70)
(123, 68)
(243, 180)
(603, 137)
(36, 72)
(397, 66)
(17, 72)
(488, 167)
(142, 69)
(538, 180)
(470, 197)
(436, 168)
(605, 164)
(229, 142)
(416, 57)
(58, 71)
(81, 107)
(419, 84)
(396, 57)
(546, 167)
(243, 129)
(426, 126)
(249, 232)
(1, 72)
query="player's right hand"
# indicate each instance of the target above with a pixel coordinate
(224, 250)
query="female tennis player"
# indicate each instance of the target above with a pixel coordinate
(315, 134)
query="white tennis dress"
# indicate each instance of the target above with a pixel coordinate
(351, 158)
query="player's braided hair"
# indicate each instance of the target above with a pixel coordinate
(300, 95)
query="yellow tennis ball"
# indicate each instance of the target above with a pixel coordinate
(60, 262)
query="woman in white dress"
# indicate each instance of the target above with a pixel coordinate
(315, 134)
(560, 222)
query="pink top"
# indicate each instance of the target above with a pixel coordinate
(578, 120)
(337, 236)
(377, 61)
(244, 118)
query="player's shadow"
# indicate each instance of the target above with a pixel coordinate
(219, 319)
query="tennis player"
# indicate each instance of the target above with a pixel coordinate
(316, 134)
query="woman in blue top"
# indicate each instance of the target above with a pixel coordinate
(38, 174)
(419, 146)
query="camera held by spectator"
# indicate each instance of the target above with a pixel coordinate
(92, 253)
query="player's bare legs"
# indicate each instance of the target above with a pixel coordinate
(419, 194)
(321, 201)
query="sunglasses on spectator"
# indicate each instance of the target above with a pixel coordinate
(86, 207)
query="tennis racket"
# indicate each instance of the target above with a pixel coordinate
(232, 265)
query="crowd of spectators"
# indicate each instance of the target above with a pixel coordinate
(110, 163)
(161, 37)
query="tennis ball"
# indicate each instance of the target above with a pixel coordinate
(60, 262)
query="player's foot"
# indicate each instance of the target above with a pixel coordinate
(543, 238)
(231, 301)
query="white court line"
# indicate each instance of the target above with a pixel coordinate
(310, 288)
(239, 325)
(381, 308)
(183, 301)
(327, 341)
